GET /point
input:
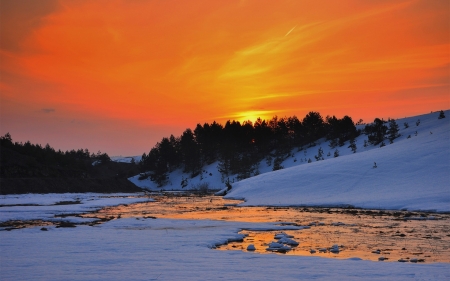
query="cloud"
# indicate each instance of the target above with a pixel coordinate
(48, 110)
(21, 18)
(290, 31)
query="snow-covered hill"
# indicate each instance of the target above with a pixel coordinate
(412, 173)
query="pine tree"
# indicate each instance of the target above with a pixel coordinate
(190, 153)
(277, 164)
(393, 130)
(336, 153)
(333, 143)
(314, 127)
(6, 140)
(269, 160)
(352, 145)
(376, 131)
(319, 155)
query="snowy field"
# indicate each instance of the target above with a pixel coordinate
(161, 249)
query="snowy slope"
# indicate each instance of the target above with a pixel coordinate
(411, 173)
(210, 174)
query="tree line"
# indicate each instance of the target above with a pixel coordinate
(47, 155)
(239, 147)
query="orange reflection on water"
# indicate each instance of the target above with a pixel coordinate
(426, 241)
(365, 234)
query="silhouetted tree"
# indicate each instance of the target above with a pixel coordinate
(393, 130)
(376, 131)
(190, 153)
(336, 153)
(352, 145)
(319, 155)
(340, 130)
(296, 131)
(277, 164)
(314, 126)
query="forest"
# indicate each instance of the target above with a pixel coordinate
(47, 155)
(240, 147)
(32, 168)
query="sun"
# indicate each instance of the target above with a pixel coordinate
(253, 115)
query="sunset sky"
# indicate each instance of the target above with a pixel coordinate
(117, 76)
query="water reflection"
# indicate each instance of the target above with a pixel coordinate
(366, 234)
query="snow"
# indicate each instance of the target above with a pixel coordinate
(126, 159)
(12, 206)
(163, 249)
(412, 173)
(209, 174)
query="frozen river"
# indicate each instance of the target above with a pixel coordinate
(191, 238)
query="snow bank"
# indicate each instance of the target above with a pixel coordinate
(42, 206)
(411, 173)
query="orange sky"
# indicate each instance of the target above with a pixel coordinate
(117, 76)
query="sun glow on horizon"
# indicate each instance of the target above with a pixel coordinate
(152, 69)
(253, 115)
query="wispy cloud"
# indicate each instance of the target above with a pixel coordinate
(48, 110)
(290, 31)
